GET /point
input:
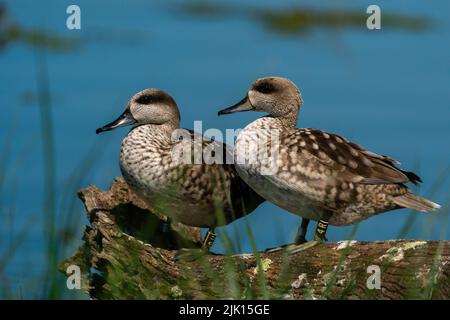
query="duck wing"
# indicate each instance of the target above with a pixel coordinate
(209, 181)
(346, 160)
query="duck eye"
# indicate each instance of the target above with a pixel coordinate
(265, 88)
(144, 99)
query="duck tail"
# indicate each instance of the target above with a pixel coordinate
(413, 201)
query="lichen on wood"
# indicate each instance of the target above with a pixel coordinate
(126, 255)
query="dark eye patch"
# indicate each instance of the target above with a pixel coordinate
(156, 97)
(145, 99)
(265, 87)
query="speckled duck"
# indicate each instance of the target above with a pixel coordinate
(198, 195)
(320, 176)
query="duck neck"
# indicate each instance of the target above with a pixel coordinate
(165, 129)
(288, 120)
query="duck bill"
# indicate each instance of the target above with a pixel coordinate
(125, 119)
(241, 106)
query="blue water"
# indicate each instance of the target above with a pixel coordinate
(387, 90)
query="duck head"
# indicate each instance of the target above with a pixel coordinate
(150, 106)
(277, 96)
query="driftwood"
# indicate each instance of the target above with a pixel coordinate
(126, 255)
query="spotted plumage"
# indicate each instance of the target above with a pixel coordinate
(198, 193)
(194, 194)
(319, 175)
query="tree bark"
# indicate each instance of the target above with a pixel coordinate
(126, 255)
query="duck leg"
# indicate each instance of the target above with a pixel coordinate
(167, 234)
(191, 254)
(319, 236)
(208, 240)
(321, 229)
(165, 228)
(300, 243)
(301, 233)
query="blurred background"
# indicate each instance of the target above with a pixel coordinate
(387, 90)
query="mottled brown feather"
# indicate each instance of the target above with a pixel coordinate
(216, 182)
(352, 162)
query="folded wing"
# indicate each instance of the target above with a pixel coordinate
(347, 160)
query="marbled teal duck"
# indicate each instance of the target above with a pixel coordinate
(319, 175)
(199, 194)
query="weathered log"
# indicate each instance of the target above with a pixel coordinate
(126, 255)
